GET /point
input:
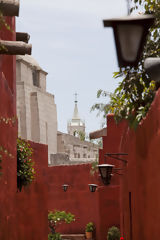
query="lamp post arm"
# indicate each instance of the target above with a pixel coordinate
(113, 155)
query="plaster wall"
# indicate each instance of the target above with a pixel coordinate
(101, 207)
(139, 195)
(140, 198)
(8, 136)
(36, 108)
(31, 204)
(21, 213)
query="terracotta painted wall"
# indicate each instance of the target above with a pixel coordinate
(141, 215)
(22, 215)
(31, 203)
(101, 207)
(8, 137)
(111, 144)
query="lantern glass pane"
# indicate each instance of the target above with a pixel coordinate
(104, 172)
(130, 36)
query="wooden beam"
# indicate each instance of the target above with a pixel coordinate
(9, 7)
(98, 134)
(15, 48)
(24, 37)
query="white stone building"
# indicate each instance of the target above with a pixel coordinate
(70, 147)
(76, 125)
(36, 108)
(76, 149)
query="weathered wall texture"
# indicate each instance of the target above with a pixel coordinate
(36, 109)
(101, 207)
(140, 218)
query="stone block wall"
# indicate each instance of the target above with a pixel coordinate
(36, 109)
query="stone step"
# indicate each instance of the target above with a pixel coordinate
(73, 236)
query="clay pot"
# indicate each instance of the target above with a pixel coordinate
(89, 235)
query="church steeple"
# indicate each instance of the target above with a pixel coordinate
(75, 113)
(76, 124)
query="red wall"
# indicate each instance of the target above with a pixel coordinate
(101, 207)
(139, 195)
(8, 138)
(31, 203)
(142, 178)
(22, 215)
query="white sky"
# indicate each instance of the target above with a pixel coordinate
(70, 43)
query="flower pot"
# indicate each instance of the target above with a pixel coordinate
(88, 235)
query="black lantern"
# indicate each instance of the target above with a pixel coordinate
(152, 67)
(92, 187)
(65, 187)
(106, 172)
(130, 35)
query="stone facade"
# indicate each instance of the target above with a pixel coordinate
(77, 150)
(36, 108)
(37, 118)
(73, 149)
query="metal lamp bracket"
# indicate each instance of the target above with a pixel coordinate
(116, 156)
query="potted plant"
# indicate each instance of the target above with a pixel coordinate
(113, 233)
(89, 230)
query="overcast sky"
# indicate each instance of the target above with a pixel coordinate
(70, 43)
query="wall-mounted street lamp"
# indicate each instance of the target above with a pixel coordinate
(130, 35)
(65, 187)
(106, 172)
(152, 67)
(92, 187)
(107, 169)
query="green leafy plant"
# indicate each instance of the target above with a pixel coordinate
(25, 170)
(133, 97)
(89, 227)
(55, 236)
(113, 233)
(56, 218)
(94, 167)
(80, 135)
